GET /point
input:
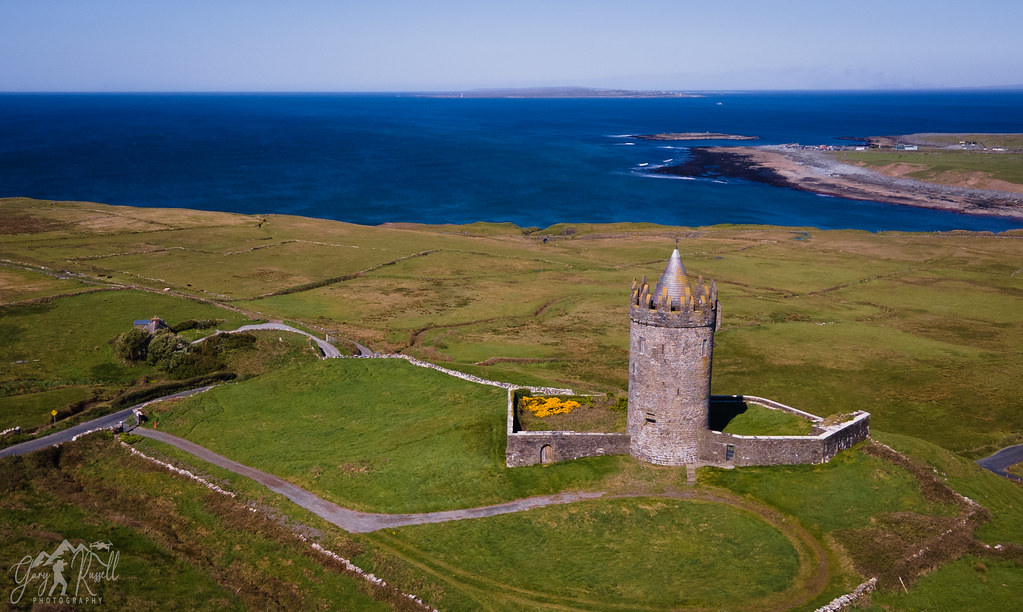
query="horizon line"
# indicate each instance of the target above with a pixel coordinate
(1017, 87)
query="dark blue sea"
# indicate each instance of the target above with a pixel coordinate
(376, 158)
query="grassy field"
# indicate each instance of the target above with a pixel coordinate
(181, 546)
(925, 331)
(916, 327)
(1008, 141)
(942, 166)
(642, 552)
(378, 435)
(759, 421)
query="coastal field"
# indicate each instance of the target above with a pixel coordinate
(1002, 171)
(925, 331)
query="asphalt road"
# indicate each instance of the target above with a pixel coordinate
(102, 422)
(1001, 460)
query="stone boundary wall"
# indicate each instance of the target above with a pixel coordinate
(527, 447)
(819, 447)
(469, 377)
(849, 599)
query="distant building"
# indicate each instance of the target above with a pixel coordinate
(150, 325)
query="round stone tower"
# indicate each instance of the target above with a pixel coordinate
(671, 341)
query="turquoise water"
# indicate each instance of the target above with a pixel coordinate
(377, 158)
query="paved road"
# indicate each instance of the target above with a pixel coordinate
(1001, 460)
(351, 520)
(102, 422)
(329, 350)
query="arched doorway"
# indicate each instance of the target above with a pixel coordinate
(546, 454)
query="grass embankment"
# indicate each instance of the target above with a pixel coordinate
(61, 357)
(180, 544)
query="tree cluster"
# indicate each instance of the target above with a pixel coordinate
(167, 351)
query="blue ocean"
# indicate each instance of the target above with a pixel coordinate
(372, 159)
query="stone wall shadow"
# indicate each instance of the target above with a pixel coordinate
(723, 410)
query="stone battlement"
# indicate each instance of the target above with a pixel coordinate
(695, 306)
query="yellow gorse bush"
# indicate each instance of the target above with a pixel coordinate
(546, 406)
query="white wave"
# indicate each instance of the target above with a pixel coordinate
(665, 176)
(624, 144)
(643, 164)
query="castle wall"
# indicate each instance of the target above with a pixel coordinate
(528, 447)
(784, 450)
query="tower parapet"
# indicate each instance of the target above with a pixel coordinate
(670, 355)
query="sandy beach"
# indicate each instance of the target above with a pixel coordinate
(814, 171)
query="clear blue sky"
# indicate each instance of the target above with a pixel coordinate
(396, 45)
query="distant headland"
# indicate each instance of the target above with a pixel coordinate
(965, 173)
(693, 136)
(559, 92)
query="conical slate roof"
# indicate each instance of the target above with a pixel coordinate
(673, 279)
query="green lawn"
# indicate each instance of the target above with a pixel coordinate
(842, 494)
(377, 435)
(644, 552)
(760, 421)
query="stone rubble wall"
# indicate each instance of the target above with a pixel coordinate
(843, 602)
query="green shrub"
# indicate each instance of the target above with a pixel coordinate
(133, 345)
(164, 347)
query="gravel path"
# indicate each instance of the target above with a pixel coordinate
(351, 520)
(329, 350)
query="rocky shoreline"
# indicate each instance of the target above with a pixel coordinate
(813, 171)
